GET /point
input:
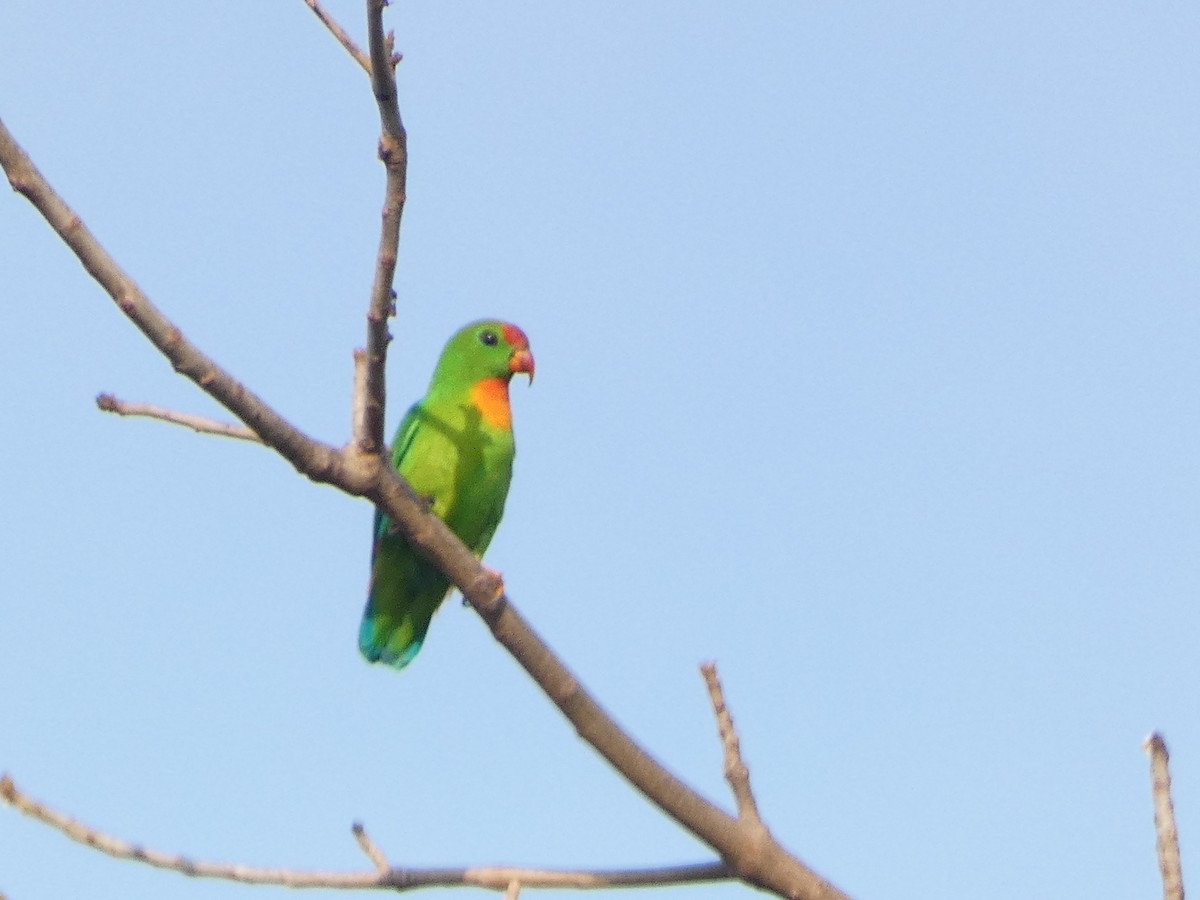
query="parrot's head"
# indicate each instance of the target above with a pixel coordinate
(484, 350)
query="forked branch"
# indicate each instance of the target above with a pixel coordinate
(382, 875)
(360, 470)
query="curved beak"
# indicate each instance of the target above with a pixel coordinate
(521, 361)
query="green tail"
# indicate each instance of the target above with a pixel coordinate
(405, 592)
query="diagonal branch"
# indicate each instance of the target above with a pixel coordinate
(340, 33)
(298, 448)
(201, 424)
(369, 847)
(360, 470)
(382, 876)
(752, 852)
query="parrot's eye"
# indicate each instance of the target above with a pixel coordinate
(489, 338)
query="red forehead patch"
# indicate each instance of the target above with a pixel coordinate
(516, 337)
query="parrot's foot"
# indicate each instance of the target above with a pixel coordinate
(499, 576)
(496, 574)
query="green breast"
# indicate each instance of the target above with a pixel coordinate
(452, 455)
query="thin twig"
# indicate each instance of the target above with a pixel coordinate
(736, 772)
(340, 33)
(109, 403)
(495, 877)
(514, 890)
(84, 834)
(370, 848)
(1169, 862)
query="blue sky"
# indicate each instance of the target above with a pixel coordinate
(867, 366)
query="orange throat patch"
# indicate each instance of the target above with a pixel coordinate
(490, 397)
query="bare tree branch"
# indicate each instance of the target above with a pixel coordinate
(109, 403)
(307, 455)
(340, 33)
(1169, 862)
(370, 393)
(393, 152)
(382, 876)
(752, 852)
(359, 469)
(736, 772)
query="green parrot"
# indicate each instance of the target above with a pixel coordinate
(455, 447)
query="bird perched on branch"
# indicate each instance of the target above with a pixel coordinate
(455, 447)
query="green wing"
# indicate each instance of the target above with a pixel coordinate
(405, 589)
(447, 455)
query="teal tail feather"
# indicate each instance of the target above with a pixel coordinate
(375, 646)
(404, 593)
(401, 600)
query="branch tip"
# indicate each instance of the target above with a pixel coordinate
(1154, 744)
(369, 847)
(736, 771)
(340, 33)
(109, 403)
(1170, 865)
